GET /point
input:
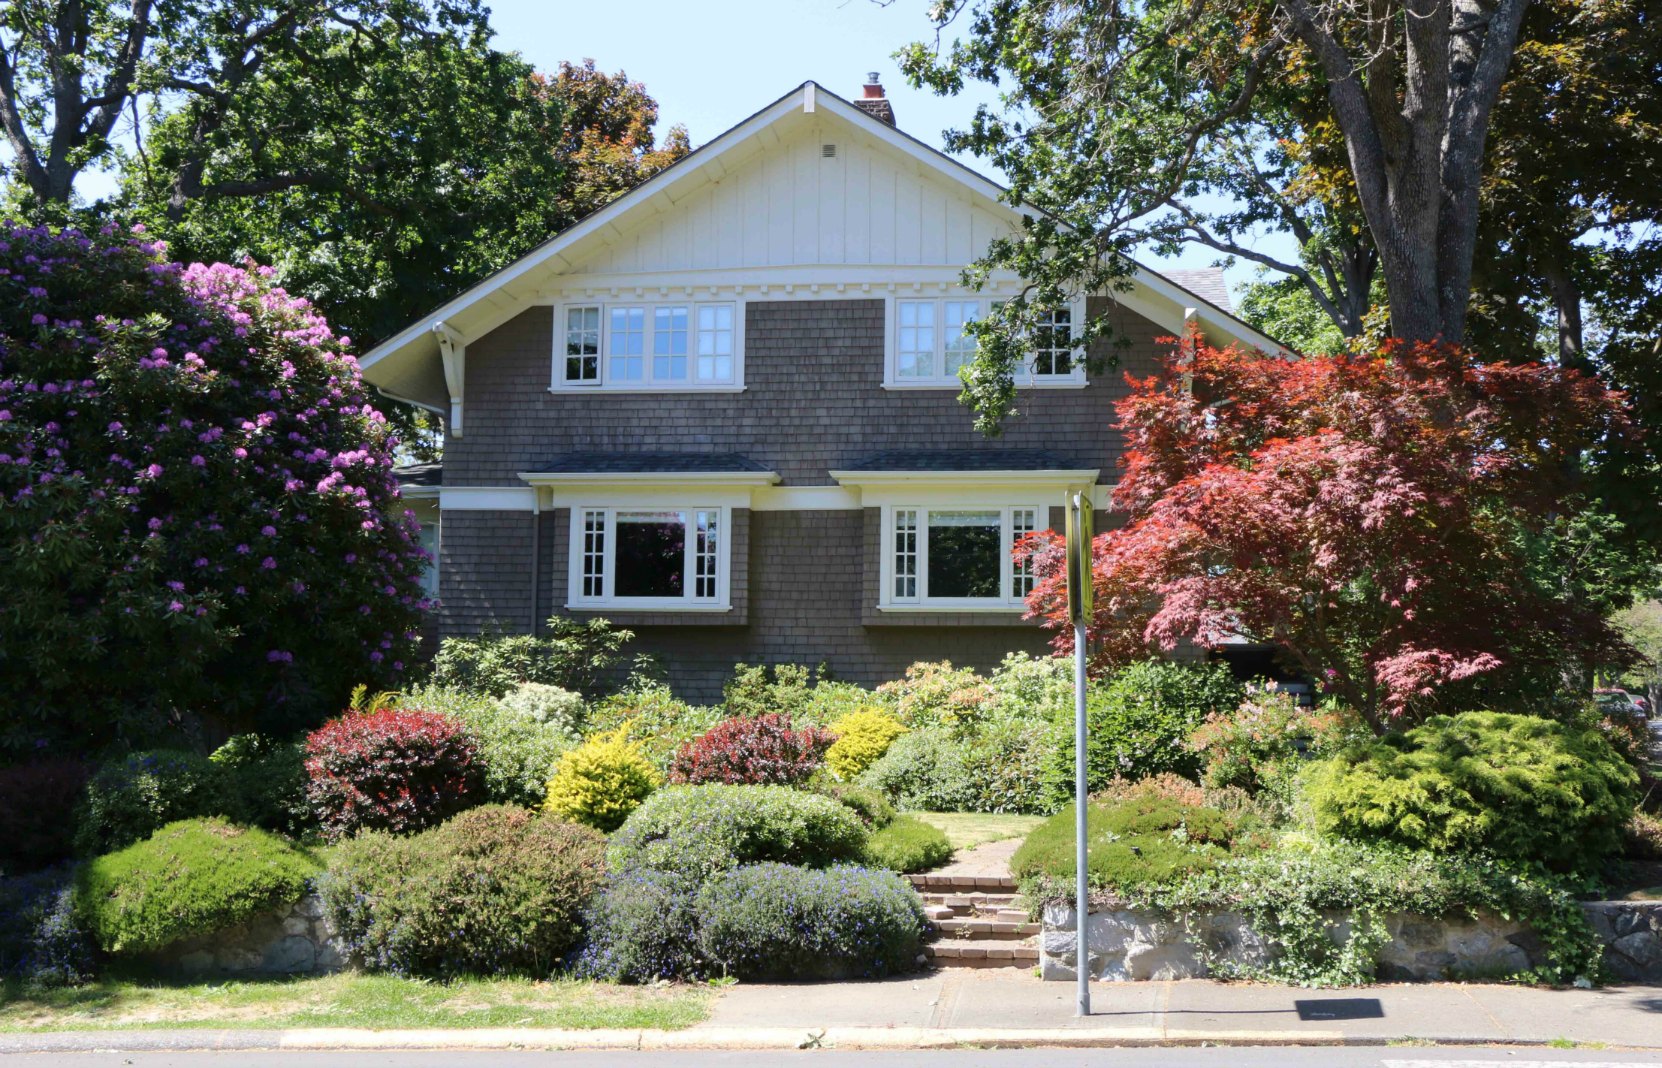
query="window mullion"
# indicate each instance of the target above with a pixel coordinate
(923, 555)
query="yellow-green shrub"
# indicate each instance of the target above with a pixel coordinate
(862, 737)
(601, 781)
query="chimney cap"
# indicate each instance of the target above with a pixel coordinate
(873, 101)
(873, 78)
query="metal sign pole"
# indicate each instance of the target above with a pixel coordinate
(1079, 607)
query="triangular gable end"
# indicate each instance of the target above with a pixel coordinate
(810, 185)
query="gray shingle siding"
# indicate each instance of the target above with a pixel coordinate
(804, 583)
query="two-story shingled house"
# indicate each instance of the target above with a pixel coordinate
(723, 410)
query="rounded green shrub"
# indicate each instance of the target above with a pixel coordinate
(862, 737)
(870, 805)
(776, 921)
(129, 799)
(1521, 787)
(601, 781)
(702, 830)
(1139, 721)
(908, 845)
(924, 770)
(550, 706)
(494, 890)
(190, 878)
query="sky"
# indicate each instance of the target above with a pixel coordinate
(711, 65)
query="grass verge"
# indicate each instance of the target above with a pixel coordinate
(966, 830)
(377, 1002)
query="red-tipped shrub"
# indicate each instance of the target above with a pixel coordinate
(37, 803)
(759, 750)
(397, 770)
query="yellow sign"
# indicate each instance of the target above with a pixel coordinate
(1080, 599)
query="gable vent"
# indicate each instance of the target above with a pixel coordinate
(828, 151)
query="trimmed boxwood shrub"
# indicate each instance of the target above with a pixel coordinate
(495, 890)
(33, 801)
(601, 781)
(1521, 787)
(776, 921)
(395, 769)
(908, 845)
(641, 928)
(43, 941)
(702, 830)
(129, 799)
(190, 878)
(759, 750)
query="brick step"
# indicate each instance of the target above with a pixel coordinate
(987, 930)
(934, 881)
(972, 902)
(965, 953)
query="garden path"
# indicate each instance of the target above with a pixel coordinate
(991, 859)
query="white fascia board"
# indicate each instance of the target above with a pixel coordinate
(649, 478)
(487, 499)
(419, 493)
(1068, 477)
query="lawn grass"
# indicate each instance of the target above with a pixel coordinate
(376, 1002)
(966, 830)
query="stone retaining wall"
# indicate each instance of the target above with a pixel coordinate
(1129, 944)
(291, 941)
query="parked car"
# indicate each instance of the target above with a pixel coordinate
(1619, 703)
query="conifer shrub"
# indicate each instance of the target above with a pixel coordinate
(496, 889)
(190, 878)
(701, 830)
(1523, 788)
(760, 750)
(395, 769)
(908, 845)
(602, 781)
(862, 738)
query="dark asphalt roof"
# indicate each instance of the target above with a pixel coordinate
(429, 474)
(573, 463)
(965, 460)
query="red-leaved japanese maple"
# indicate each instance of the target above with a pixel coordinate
(1378, 517)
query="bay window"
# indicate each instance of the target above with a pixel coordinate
(956, 557)
(638, 345)
(649, 557)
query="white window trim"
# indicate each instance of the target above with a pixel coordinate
(1006, 602)
(722, 602)
(1024, 378)
(559, 384)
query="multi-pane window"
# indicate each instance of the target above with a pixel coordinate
(583, 345)
(958, 556)
(933, 343)
(428, 539)
(715, 343)
(648, 557)
(1053, 344)
(1023, 521)
(915, 345)
(649, 346)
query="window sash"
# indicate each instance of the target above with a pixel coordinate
(907, 554)
(594, 576)
(931, 344)
(642, 345)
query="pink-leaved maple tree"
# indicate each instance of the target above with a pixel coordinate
(1384, 519)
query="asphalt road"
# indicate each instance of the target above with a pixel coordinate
(1216, 1057)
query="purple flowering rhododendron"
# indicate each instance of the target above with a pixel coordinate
(157, 420)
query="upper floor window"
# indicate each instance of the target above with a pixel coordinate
(957, 557)
(677, 345)
(931, 344)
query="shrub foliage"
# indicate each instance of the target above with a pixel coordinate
(862, 737)
(190, 878)
(200, 512)
(1522, 787)
(759, 750)
(601, 781)
(34, 802)
(570, 654)
(701, 830)
(395, 769)
(129, 799)
(496, 889)
(908, 845)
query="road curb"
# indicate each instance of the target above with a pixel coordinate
(699, 1038)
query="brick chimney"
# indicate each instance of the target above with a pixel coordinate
(873, 102)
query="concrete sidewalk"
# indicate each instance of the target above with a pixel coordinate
(957, 1008)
